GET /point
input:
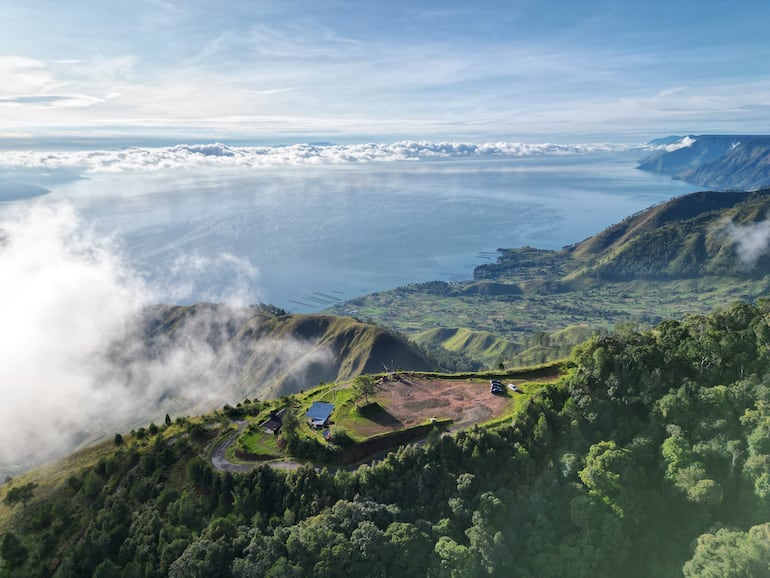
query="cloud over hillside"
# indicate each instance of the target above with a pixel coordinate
(77, 360)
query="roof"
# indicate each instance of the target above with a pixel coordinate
(320, 411)
(272, 423)
(274, 420)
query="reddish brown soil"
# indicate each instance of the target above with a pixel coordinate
(409, 401)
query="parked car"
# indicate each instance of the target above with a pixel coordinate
(512, 387)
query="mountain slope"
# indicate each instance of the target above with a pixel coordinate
(724, 162)
(746, 166)
(689, 254)
(696, 235)
(266, 353)
(481, 345)
(699, 234)
(654, 441)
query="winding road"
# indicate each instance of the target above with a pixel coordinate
(220, 462)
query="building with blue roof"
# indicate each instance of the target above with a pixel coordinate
(319, 413)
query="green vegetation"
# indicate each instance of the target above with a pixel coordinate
(645, 451)
(364, 387)
(662, 263)
(17, 494)
(650, 457)
(258, 443)
(324, 347)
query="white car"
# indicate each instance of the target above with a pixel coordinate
(513, 387)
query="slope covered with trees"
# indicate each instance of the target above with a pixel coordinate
(651, 457)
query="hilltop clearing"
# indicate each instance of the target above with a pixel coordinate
(398, 408)
(184, 360)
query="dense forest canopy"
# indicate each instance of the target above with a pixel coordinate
(651, 457)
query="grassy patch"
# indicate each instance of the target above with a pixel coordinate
(255, 441)
(526, 391)
(519, 318)
(348, 414)
(50, 479)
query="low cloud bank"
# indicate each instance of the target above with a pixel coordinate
(682, 143)
(752, 241)
(76, 361)
(220, 155)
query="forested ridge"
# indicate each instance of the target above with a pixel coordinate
(651, 457)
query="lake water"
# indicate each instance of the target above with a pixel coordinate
(304, 237)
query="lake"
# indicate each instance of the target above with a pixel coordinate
(304, 237)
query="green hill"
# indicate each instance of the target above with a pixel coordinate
(480, 345)
(187, 360)
(690, 254)
(687, 237)
(653, 441)
(262, 352)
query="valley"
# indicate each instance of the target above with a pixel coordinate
(684, 256)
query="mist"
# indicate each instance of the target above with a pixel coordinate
(77, 363)
(752, 241)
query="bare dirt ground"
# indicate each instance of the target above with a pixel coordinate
(409, 401)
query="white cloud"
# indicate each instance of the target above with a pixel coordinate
(20, 75)
(66, 293)
(682, 143)
(192, 274)
(752, 241)
(41, 101)
(223, 156)
(75, 361)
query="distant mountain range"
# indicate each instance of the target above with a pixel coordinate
(721, 162)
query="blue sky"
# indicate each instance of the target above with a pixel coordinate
(346, 71)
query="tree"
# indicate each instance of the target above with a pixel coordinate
(364, 387)
(21, 494)
(168, 420)
(13, 551)
(731, 553)
(290, 424)
(453, 559)
(118, 439)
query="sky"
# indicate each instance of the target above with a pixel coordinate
(290, 71)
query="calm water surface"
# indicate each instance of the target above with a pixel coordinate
(303, 237)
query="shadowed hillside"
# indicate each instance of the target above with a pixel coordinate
(266, 353)
(695, 235)
(724, 162)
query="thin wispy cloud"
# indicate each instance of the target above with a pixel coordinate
(524, 69)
